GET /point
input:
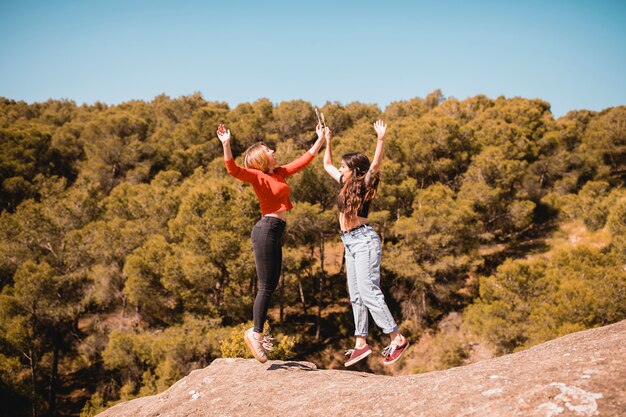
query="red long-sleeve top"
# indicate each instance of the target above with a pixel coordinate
(271, 188)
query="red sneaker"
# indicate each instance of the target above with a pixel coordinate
(357, 354)
(393, 352)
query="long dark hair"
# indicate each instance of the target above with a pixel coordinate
(355, 191)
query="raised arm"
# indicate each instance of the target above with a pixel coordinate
(319, 129)
(381, 129)
(328, 157)
(224, 137)
(301, 163)
(232, 168)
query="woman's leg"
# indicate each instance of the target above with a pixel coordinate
(359, 311)
(361, 319)
(367, 255)
(267, 245)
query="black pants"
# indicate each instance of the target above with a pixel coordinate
(268, 256)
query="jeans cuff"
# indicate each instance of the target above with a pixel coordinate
(391, 330)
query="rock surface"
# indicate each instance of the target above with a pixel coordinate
(581, 374)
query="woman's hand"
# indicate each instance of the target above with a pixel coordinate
(319, 129)
(380, 128)
(223, 134)
(327, 134)
(328, 157)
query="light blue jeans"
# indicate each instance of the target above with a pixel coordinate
(363, 251)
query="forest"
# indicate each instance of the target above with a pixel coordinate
(126, 260)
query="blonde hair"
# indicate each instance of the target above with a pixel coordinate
(255, 157)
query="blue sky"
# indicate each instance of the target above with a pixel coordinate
(569, 53)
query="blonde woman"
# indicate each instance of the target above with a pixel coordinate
(268, 179)
(359, 179)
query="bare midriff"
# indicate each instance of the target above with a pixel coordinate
(346, 224)
(279, 214)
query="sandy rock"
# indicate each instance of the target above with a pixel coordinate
(581, 374)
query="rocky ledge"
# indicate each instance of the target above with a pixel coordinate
(581, 374)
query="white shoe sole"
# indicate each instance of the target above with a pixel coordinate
(398, 358)
(355, 360)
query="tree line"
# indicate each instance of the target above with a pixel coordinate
(126, 261)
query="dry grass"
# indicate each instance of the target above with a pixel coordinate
(574, 233)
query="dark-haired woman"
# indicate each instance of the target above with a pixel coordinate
(268, 179)
(359, 179)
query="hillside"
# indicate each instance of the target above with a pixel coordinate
(581, 374)
(126, 258)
